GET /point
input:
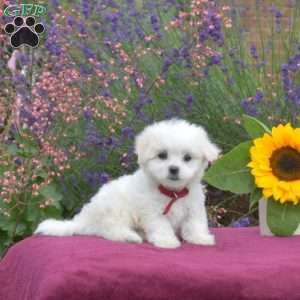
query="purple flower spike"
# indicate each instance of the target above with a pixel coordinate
(127, 132)
(104, 177)
(155, 23)
(242, 222)
(253, 51)
(215, 60)
(166, 65)
(86, 8)
(249, 108)
(258, 96)
(96, 179)
(189, 102)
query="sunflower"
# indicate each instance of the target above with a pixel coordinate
(275, 164)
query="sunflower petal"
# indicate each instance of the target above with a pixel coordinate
(266, 181)
(267, 193)
(277, 192)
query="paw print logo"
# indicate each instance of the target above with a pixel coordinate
(24, 31)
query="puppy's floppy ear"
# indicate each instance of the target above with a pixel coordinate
(210, 150)
(142, 146)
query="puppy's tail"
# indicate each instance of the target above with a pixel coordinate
(56, 227)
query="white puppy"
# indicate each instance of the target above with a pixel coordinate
(162, 199)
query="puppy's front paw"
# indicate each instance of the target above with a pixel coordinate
(133, 238)
(206, 239)
(165, 242)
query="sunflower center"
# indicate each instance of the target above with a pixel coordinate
(285, 164)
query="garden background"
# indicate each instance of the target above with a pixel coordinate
(104, 69)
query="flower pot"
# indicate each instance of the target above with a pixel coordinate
(263, 225)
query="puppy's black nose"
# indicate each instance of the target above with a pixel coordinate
(173, 170)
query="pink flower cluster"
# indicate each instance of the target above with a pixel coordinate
(55, 95)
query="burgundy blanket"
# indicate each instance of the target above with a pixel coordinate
(243, 265)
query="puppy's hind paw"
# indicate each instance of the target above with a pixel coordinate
(51, 227)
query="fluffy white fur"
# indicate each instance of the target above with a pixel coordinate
(130, 207)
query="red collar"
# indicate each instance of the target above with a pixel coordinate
(174, 195)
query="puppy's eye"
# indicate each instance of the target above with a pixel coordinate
(187, 157)
(163, 155)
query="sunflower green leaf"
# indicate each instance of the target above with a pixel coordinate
(283, 219)
(255, 195)
(230, 172)
(254, 127)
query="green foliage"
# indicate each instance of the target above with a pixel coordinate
(254, 127)
(21, 212)
(255, 195)
(23, 221)
(282, 219)
(230, 172)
